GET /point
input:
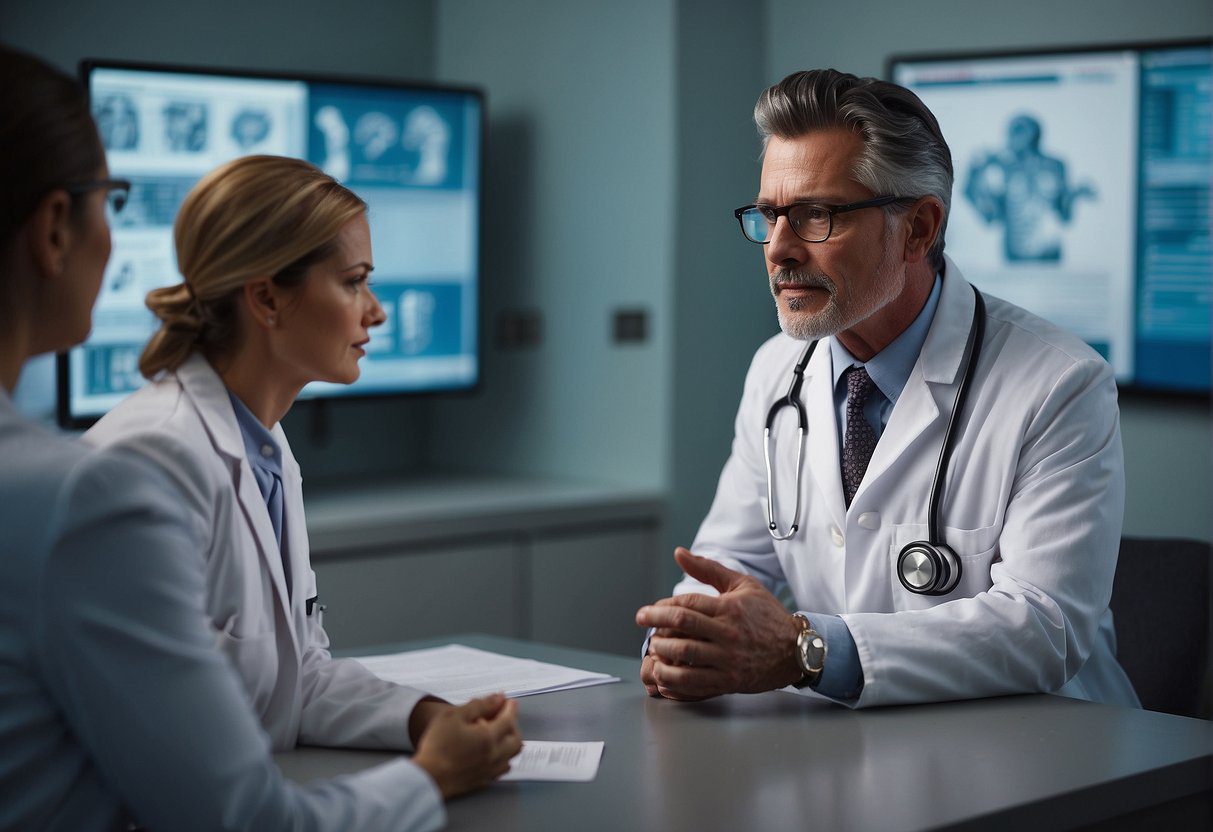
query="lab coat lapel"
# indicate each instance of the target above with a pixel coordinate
(823, 433)
(294, 535)
(204, 387)
(930, 389)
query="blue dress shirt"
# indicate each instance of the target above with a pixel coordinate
(842, 677)
(265, 458)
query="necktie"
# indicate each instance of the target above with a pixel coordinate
(273, 502)
(860, 439)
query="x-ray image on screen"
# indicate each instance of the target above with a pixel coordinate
(1026, 191)
(185, 126)
(428, 134)
(117, 122)
(152, 202)
(365, 138)
(1082, 193)
(250, 128)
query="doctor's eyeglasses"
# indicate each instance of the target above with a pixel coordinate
(813, 222)
(117, 192)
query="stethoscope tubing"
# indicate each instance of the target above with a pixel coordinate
(792, 399)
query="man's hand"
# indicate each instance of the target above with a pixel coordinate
(740, 642)
(468, 747)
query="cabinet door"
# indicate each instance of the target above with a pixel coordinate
(586, 587)
(421, 592)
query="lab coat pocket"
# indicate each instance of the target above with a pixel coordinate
(976, 549)
(254, 658)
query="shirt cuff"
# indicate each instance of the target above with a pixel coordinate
(842, 676)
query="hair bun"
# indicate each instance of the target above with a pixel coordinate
(177, 308)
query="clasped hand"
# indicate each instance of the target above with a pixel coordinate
(741, 641)
(464, 748)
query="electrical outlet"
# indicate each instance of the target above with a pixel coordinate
(631, 326)
(519, 329)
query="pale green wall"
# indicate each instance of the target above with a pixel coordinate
(351, 37)
(721, 307)
(579, 195)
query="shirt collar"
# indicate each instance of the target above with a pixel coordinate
(890, 368)
(259, 444)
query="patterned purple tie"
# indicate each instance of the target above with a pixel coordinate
(860, 440)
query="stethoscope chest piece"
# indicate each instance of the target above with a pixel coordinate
(927, 569)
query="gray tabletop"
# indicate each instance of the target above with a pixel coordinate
(779, 761)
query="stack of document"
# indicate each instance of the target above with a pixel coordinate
(459, 674)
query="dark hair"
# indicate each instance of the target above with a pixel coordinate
(47, 137)
(904, 153)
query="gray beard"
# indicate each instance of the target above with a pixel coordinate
(807, 326)
(834, 318)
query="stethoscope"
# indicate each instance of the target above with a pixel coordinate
(924, 567)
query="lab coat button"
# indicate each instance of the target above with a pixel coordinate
(267, 450)
(870, 520)
(836, 536)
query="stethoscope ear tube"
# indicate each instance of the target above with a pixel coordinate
(792, 399)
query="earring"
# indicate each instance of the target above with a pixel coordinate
(270, 320)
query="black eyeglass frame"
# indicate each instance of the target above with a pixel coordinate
(831, 211)
(109, 185)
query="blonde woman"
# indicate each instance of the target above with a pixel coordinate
(276, 257)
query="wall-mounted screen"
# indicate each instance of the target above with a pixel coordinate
(413, 152)
(1082, 193)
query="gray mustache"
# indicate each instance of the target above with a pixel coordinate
(811, 281)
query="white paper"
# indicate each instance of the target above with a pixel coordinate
(570, 762)
(458, 673)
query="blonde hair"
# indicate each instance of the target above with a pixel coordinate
(252, 217)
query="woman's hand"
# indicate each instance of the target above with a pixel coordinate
(467, 747)
(423, 713)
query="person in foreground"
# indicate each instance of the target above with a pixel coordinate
(115, 704)
(277, 260)
(992, 576)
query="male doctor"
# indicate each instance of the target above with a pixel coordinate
(851, 212)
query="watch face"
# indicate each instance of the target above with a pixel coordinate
(812, 651)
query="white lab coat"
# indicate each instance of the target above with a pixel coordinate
(1033, 505)
(114, 702)
(185, 423)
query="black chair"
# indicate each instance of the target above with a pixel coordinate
(1160, 605)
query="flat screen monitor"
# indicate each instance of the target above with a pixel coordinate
(1082, 193)
(413, 152)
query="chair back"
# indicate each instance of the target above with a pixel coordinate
(1161, 609)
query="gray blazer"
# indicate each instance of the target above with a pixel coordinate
(114, 701)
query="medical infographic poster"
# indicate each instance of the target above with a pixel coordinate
(1175, 260)
(413, 154)
(411, 157)
(1045, 154)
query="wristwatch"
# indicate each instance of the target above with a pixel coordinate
(810, 653)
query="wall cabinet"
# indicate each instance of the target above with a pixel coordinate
(564, 563)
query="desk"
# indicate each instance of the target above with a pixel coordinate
(781, 761)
